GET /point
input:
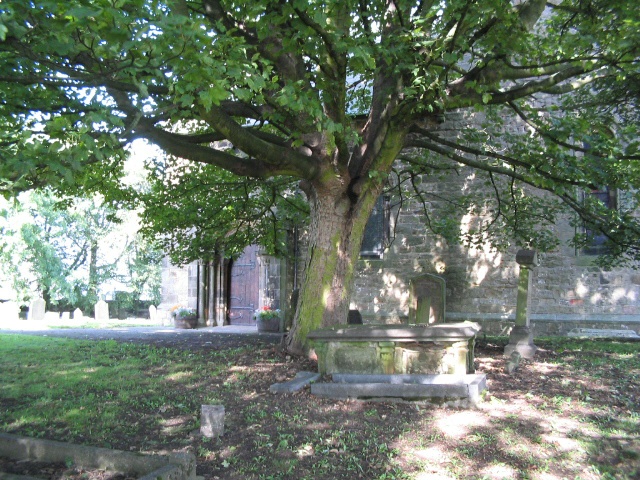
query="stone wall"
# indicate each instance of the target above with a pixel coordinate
(568, 290)
(179, 285)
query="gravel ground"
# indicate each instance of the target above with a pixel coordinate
(200, 338)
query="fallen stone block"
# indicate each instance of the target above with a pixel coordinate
(176, 466)
(452, 390)
(301, 380)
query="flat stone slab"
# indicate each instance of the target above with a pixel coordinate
(452, 390)
(301, 380)
(177, 466)
(602, 333)
(398, 333)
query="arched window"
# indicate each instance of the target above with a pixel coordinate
(596, 241)
(376, 232)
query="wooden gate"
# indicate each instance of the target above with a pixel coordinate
(245, 285)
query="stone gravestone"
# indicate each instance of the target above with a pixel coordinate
(521, 337)
(427, 299)
(77, 314)
(9, 311)
(65, 316)
(153, 313)
(37, 308)
(212, 421)
(102, 311)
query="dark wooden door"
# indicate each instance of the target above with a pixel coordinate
(245, 284)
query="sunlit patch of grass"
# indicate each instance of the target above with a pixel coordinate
(180, 376)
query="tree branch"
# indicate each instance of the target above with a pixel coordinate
(449, 153)
(283, 160)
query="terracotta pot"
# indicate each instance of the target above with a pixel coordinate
(188, 322)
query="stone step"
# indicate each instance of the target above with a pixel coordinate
(451, 390)
(301, 380)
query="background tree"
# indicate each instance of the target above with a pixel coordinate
(329, 93)
(70, 250)
(199, 211)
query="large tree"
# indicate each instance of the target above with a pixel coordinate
(329, 93)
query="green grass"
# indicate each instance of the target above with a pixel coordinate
(577, 417)
(104, 390)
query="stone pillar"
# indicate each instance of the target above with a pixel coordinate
(202, 275)
(269, 281)
(521, 337)
(222, 273)
(213, 287)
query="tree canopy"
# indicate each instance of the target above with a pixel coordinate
(330, 93)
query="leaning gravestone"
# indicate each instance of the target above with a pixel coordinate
(36, 309)
(9, 311)
(102, 311)
(427, 299)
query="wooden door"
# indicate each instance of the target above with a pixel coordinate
(245, 285)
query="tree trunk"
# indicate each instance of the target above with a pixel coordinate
(92, 287)
(336, 231)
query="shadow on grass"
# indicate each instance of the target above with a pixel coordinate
(571, 412)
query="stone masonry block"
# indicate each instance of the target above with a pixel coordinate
(212, 421)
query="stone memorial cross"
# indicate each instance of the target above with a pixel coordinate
(521, 337)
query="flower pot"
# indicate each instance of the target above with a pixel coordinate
(187, 322)
(268, 324)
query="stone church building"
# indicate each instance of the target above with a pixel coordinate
(568, 289)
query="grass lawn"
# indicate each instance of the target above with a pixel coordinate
(573, 412)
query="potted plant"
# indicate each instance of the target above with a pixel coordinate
(267, 320)
(184, 317)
